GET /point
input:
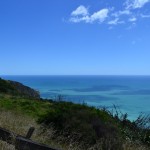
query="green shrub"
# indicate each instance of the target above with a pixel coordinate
(80, 122)
(5, 87)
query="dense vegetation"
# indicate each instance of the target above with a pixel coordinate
(6, 87)
(83, 125)
(87, 125)
(17, 89)
(79, 126)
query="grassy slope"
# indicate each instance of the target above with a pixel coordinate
(71, 126)
(30, 107)
(20, 123)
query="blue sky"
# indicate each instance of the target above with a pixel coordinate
(74, 37)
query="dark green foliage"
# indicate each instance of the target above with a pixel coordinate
(6, 87)
(81, 123)
(138, 130)
(88, 125)
(17, 89)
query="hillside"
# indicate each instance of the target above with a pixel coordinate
(16, 88)
(70, 126)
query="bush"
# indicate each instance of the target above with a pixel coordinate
(81, 123)
(5, 87)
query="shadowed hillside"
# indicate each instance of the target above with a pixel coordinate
(16, 88)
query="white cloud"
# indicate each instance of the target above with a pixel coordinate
(79, 19)
(81, 10)
(123, 12)
(115, 22)
(111, 16)
(145, 16)
(133, 19)
(134, 4)
(100, 16)
(87, 19)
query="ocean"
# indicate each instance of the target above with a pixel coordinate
(130, 94)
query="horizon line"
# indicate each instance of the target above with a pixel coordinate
(76, 75)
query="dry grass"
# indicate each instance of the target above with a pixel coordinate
(16, 122)
(134, 146)
(20, 124)
(5, 146)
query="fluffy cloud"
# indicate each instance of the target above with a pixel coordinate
(81, 10)
(134, 4)
(129, 13)
(78, 15)
(79, 19)
(100, 15)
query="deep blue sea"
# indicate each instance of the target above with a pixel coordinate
(130, 93)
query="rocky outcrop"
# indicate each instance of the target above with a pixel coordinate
(16, 88)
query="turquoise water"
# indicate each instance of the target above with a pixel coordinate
(130, 93)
